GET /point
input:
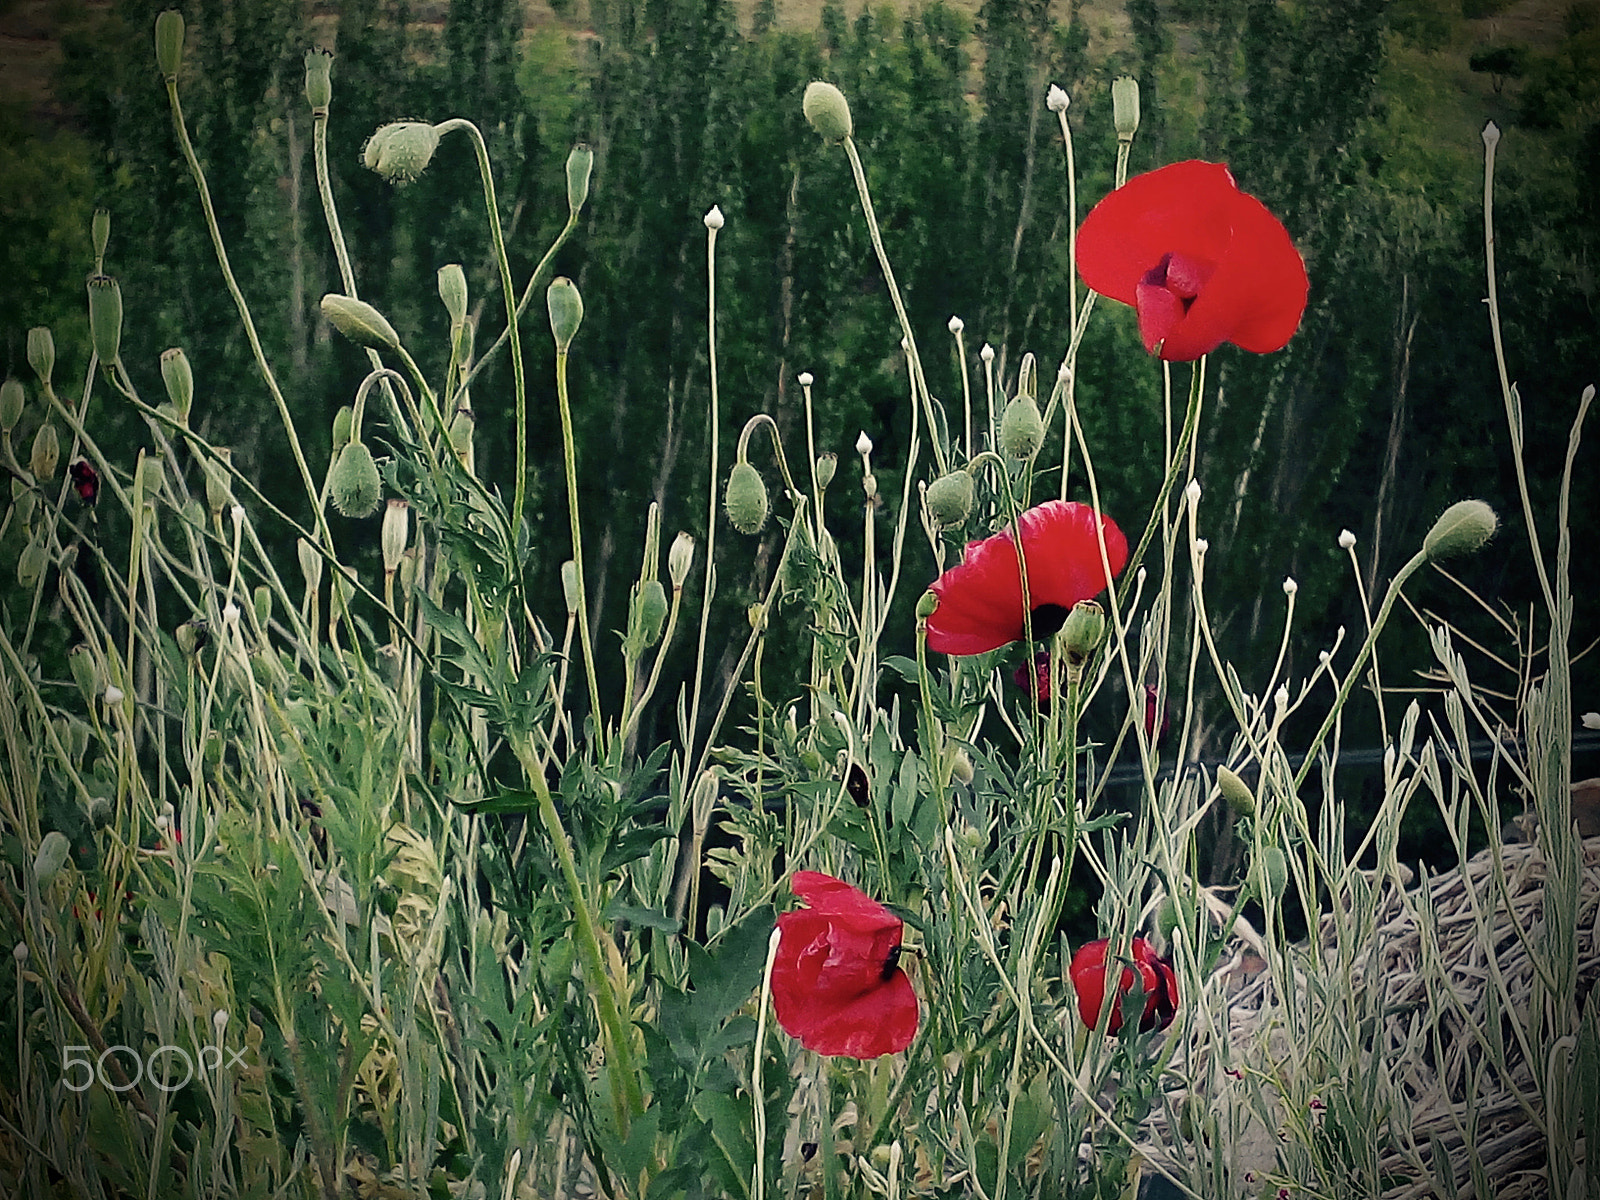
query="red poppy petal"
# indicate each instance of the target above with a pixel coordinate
(881, 1021)
(825, 894)
(1063, 552)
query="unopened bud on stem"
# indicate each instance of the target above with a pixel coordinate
(401, 151)
(396, 528)
(1125, 106)
(169, 44)
(827, 110)
(1463, 527)
(105, 318)
(42, 352)
(353, 484)
(453, 291)
(950, 498)
(580, 162)
(12, 401)
(360, 322)
(319, 81)
(746, 498)
(566, 311)
(46, 453)
(680, 557)
(178, 375)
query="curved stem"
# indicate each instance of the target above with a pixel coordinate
(570, 454)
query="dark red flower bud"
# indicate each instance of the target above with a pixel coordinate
(1157, 717)
(1155, 981)
(85, 480)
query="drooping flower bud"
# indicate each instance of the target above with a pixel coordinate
(566, 311)
(354, 485)
(827, 111)
(310, 564)
(580, 162)
(219, 480)
(1462, 528)
(746, 498)
(401, 151)
(680, 557)
(178, 375)
(13, 399)
(169, 44)
(343, 420)
(1236, 792)
(360, 322)
(42, 352)
(827, 464)
(396, 529)
(32, 562)
(105, 318)
(1125, 106)
(319, 80)
(949, 498)
(453, 291)
(46, 453)
(1021, 427)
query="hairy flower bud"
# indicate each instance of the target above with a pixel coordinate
(949, 498)
(353, 484)
(178, 375)
(169, 44)
(396, 529)
(32, 562)
(580, 162)
(1462, 528)
(1083, 630)
(827, 111)
(319, 80)
(360, 322)
(566, 311)
(12, 401)
(46, 453)
(827, 464)
(105, 318)
(680, 557)
(219, 480)
(1021, 427)
(746, 498)
(42, 352)
(149, 476)
(1236, 792)
(52, 856)
(453, 291)
(401, 151)
(1125, 106)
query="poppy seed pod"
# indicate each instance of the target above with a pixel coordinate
(42, 352)
(310, 563)
(401, 151)
(746, 498)
(1462, 528)
(580, 162)
(46, 452)
(649, 614)
(566, 311)
(360, 322)
(353, 484)
(219, 480)
(12, 401)
(105, 318)
(396, 529)
(1273, 867)
(319, 80)
(169, 44)
(178, 375)
(680, 557)
(1021, 428)
(453, 291)
(342, 422)
(827, 111)
(1236, 792)
(461, 427)
(1125, 106)
(950, 498)
(827, 464)
(1084, 630)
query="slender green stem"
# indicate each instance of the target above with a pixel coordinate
(715, 435)
(570, 455)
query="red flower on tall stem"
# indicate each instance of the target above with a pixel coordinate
(837, 984)
(1201, 261)
(980, 599)
(1156, 980)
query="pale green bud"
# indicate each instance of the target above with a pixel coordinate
(746, 498)
(827, 110)
(927, 603)
(261, 601)
(319, 81)
(580, 162)
(566, 311)
(42, 352)
(461, 426)
(1236, 792)
(148, 476)
(401, 151)
(13, 399)
(46, 453)
(950, 498)
(569, 585)
(343, 420)
(1463, 527)
(32, 562)
(105, 318)
(1273, 868)
(179, 378)
(100, 234)
(85, 672)
(1125, 106)
(1021, 428)
(354, 485)
(453, 291)
(827, 464)
(169, 44)
(219, 480)
(52, 856)
(310, 564)
(1083, 630)
(649, 613)
(396, 529)
(680, 557)
(360, 322)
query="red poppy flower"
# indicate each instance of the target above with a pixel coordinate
(1157, 722)
(1202, 262)
(85, 479)
(1157, 982)
(836, 983)
(1034, 678)
(980, 600)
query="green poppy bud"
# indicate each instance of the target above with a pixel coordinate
(566, 311)
(827, 464)
(46, 453)
(401, 151)
(261, 601)
(169, 44)
(1125, 106)
(319, 81)
(148, 476)
(353, 484)
(649, 613)
(396, 528)
(32, 562)
(961, 767)
(360, 322)
(1166, 917)
(746, 498)
(85, 673)
(1021, 428)
(408, 571)
(950, 498)
(101, 812)
(827, 111)
(1236, 792)
(105, 318)
(192, 636)
(1463, 527)
(461, 426)
(1274, 872)
(1084, 630)
(219, 480)
(342, 422)
(42, 352)
(680, 557)
(580, 162)
(100, 236)
(926, 604)
(52, 856)
(453, 291)
(310, 564)
(569, 585)
(179, 378)
(12, 401)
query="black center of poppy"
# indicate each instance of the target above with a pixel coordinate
(890, 963)
(1048, 618)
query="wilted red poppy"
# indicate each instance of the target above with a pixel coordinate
(836, 984)
(85, 479)
(1157, 982)
(980, 599)
(1201, 261)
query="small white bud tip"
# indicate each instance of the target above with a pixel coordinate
(236, 515)
(987, 353)
(1324, 657)
(1056, 99)
(1347, 540)
(20, 952)
(1491, 135)
(806, 379)
(114, 695)
(219, 1020)
(863, 444)
(1591, 720)
(714, 219)
(1280, 698)
(230, 612)
(1290, 587)
(1192, 492)
(957, 324)
(1201, 545)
